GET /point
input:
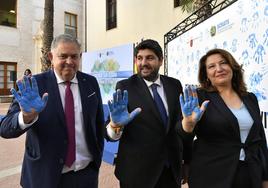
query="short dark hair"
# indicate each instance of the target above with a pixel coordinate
(238, 83)
(151, 45)
(27, 70)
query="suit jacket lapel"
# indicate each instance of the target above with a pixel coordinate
(216, 99)
(83, 93)
(53, 90)
(142, 88)
(170, 99)
(255, 116)
(87, 96)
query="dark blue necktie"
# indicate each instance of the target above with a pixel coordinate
(160, 104)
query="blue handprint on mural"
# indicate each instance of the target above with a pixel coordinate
(259, 94)
(234, 45)
(255, 20)
(244, 25)
(252, 40)
(259, 53)
(265, 35)
(254, 80)
(245, 59)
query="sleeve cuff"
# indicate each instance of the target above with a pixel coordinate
(22, 124)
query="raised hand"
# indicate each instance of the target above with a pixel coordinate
(191, 110)
(28, 96)
(118, 109)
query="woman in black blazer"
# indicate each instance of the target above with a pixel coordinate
(230, 149)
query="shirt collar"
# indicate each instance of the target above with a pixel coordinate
(157, 81)
(59, 80)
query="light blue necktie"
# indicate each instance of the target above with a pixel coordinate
(160, 104)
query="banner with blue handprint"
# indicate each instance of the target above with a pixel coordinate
(242, 29)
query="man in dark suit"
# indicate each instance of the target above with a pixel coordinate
(150, 149)
(64, 141)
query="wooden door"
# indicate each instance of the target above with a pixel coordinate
(8, 71)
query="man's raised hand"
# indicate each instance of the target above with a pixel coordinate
(118, 109)
(28, 96)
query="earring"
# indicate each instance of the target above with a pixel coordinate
(208, 81)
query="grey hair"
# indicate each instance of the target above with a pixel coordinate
(64, 38)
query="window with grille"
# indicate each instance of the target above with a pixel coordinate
(8, 13)
(70, 26)
(111, 17)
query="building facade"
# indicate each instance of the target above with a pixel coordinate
(112, 23)
(21, 34)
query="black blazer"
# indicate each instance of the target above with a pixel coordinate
(46, 139)
(217, 148)
(145, 145)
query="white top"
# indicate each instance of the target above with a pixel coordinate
(245, 123)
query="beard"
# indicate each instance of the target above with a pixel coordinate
(150, 77)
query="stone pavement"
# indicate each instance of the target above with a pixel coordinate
(11, 155)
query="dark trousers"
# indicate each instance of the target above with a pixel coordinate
(242, 177)
(85, 178)
(166, 180)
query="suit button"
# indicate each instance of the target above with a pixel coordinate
(61, 161)
(65, 142)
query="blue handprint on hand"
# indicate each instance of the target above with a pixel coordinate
(28, 96)
(118, 109)
(191, 110)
